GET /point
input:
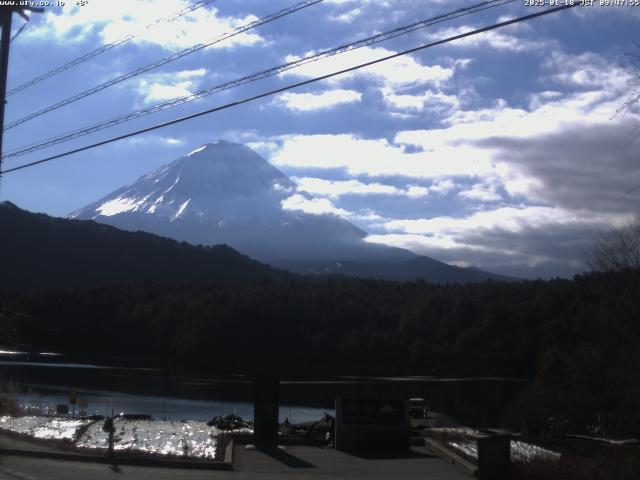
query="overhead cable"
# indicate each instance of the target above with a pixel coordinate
(291, 86)
(381, 37)
(105, 48)
(163, 61)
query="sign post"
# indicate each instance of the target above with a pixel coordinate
(73, 399)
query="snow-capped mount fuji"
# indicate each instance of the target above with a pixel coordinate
(214, 183)
(224, 192)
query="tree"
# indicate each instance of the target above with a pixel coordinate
(632, 67)
(617, 249)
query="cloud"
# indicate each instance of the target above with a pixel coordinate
(564, 149)
(151, 139)
(338, 188)
(402, 70)
(167, 86)
(545, 241)
(347, 17)
(304, 102)
(492, 39)
(594, 165)
(481, 192)
(587, 70)
(366, 215)
(116, 19)
(416, 191)
(316, 206)
(443, 186)
(511, 219)
(556, 169)
(377, 157)
(430, 100)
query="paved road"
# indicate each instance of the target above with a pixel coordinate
(22, 468)
(302, 463)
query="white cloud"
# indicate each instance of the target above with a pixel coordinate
(337, 188)
(481, 192)
(378, 157)
(283, 188)
(416, 191)
(366, 215)
(304, 102)
(587, 70)
(263, 147)
(155, 92)
(544, 240)
(419, 244)
(492, 39)
(115, 19)
(429, 100)
(402, 70)
(347, 17)
(151, 139)
(316, 206)
(443, 186)
(512, 219)
(167, 86)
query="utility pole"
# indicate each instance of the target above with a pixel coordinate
(6, 12)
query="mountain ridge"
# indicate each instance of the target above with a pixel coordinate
(38, 250)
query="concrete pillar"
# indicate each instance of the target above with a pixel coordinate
(265, 410)
(494, 457)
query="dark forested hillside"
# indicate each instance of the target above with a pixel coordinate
(40, 251)
(485, 329)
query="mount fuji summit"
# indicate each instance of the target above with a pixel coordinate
(225, 193)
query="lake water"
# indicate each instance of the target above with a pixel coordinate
(43, 382)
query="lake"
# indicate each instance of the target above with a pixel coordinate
(41, 382)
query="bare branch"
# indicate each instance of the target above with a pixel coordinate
(617, 249)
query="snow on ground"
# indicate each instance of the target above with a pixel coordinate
(464, 440)
(192, 439)
(175, 438)
(521, 452)
(44, 428)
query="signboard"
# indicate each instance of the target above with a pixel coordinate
(381, 413)
(62, 409)
(73, 398)
(372, 423)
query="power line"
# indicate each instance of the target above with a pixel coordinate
(291, 86)
(6, 16)
(164, 61)
(17, 34)
(106, 47)
(255, 77)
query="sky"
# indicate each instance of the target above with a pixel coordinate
(502, 151)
